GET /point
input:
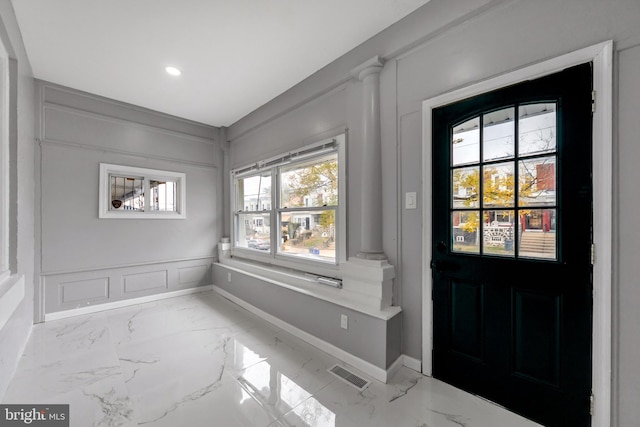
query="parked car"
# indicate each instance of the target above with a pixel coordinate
(263, 246)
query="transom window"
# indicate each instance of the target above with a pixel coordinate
(503, 170)
(287, 208)
(129, 192)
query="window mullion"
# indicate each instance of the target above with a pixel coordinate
(274, 228)
(146, 188)
(481, 184)
(516, 180)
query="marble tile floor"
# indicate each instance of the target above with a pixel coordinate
(201, 360)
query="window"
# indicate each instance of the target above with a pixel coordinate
(129, 192)
(509, 156)
(286, 209)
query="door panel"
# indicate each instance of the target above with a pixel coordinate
(537, 336)
(512, 289)
(467, 324)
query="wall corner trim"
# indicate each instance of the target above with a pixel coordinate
(412, 363)
(12, 298)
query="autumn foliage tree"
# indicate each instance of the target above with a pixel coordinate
(319, 180)
(498, 189)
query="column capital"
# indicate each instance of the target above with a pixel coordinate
(371, 66)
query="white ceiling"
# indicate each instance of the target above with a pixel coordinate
(235, 55)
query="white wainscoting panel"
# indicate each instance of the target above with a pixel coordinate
(134, 283)
(84, 290)
(69, 290)
(192, 275)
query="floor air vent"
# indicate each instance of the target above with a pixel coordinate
(349, 377)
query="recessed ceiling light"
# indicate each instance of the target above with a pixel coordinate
(173, 71)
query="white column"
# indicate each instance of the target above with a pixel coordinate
(371, 185)
(224, 145)
(368, 278)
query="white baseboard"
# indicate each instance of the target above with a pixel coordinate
(124, 303)
(406, 361)
(412, 363)
(360, 364)
(395, 367)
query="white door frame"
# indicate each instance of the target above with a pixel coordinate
(602, 57)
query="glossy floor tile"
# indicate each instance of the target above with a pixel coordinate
(200, 360)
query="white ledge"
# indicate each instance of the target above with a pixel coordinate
(298, 282)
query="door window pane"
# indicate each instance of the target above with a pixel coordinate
(498, 233)
(465, 143)
(498, 134)
(465, 231)
(254, 193)
(537, 128)
(486, 147)
(537, 181)
(465, 187)
(537, 233)
(498, 185)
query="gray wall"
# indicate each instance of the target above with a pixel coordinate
(627, 237)
(444, 45)
(365, 338)
(83, 260)
(14, 334)
(448, 44)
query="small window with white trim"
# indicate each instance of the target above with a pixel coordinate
(286, 209)
(130, 192)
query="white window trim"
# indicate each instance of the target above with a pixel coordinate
(107, 169)
(319, 267)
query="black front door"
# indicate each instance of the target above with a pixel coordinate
(512, 288)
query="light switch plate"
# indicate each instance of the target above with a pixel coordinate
(410, 201)
(344, 321)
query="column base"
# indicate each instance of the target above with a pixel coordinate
(371, 280)
(375, 256)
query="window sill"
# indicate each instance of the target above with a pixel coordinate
(141, 215)
(300, 281)
(287, 262)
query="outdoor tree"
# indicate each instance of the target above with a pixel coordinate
(314, 184)
(535, 177)
(318, 178)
